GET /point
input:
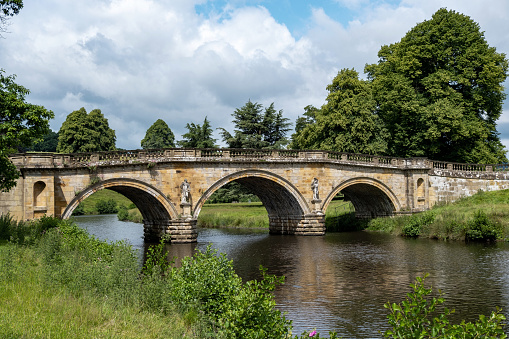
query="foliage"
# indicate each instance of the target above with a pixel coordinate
(347, 122)
(418, 316)
(49, 143)
(254, 129)
(481, 217)
(208, 282)
(232, 192)
(85, 132)
(482, 228)
(439, 91)
(159, 135)
(106, 206)
(198, 136)
(123, 213)
(21, 123)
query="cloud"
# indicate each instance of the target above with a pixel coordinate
(141, 60)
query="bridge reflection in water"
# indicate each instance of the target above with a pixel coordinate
(54, 184)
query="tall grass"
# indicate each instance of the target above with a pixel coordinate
(483, 216)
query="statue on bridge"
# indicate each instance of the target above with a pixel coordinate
(184, 187)
(314, 187)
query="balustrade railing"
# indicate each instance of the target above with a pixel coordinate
(209, 154)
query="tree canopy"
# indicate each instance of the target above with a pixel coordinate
(439, 91)
(198, 136)
(257, 128)
(159, 135)
(82, 132)
(48, 143)
(346, 123)
(21, 124)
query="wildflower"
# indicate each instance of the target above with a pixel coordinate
(312, 334)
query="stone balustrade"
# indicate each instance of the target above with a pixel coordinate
(124, 157)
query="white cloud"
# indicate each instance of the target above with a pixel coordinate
(141, 60)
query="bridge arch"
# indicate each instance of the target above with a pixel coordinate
(285, 205)
(152, 203)
(370, 197)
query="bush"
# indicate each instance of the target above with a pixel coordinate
(106, 206)
(417, 317)
(123, 213)
(482, 229)
(416, 223)
(6, 223)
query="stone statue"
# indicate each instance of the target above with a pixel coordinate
(184, 187)
(314, 187)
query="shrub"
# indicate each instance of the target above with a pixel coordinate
(482, 229)
(106, 206)
(416, 223)
(123, 213)
(417, 317)
(6, 223)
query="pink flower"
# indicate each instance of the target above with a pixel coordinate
(312, 334)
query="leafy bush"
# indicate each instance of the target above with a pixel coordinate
(123, 213)
(6, 223)
(106, 206)
(417, 317)
(416, 223)
(482, 229)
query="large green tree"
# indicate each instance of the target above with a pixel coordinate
(21, 124)
(48, 143)
(159, 135)
(347, 122)
(198, 136)
(82, 132)
(257, 128)
(439, 91)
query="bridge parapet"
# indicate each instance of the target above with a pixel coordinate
(154, 156)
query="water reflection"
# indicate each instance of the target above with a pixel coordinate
(341, 281)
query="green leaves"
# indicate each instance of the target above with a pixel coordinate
(159, 135)
(417, 317)
(254, 129)
(82, 132)
(439, 91)
(346, 122)
(198, 136)
(21, 124)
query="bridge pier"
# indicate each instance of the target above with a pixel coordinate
(310, 224)
(175, 231)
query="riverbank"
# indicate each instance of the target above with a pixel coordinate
(481, 217)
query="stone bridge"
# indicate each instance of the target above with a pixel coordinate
(170, 186)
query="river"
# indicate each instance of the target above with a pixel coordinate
(340, 281)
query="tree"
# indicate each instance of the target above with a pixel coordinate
(21, 124)
(439, 91)
(198, 136)
(49, 143)
(347, 121)
(254, 129)
(82, 132)
(8, 8)
(159, 135)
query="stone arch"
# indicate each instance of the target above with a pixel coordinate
(39, 194)
(284, 203)
(155, 208)
(370, 197)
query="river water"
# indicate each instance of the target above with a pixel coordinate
(341, 281)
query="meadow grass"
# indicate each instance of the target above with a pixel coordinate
(30, 308)
(105, 194)
(488, 211)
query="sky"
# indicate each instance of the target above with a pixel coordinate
(184, 60)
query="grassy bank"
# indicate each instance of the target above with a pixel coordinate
(89, 205)
(481, 217)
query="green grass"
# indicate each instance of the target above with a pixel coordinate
(453, 221)
(105, 194)
(32, 309)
